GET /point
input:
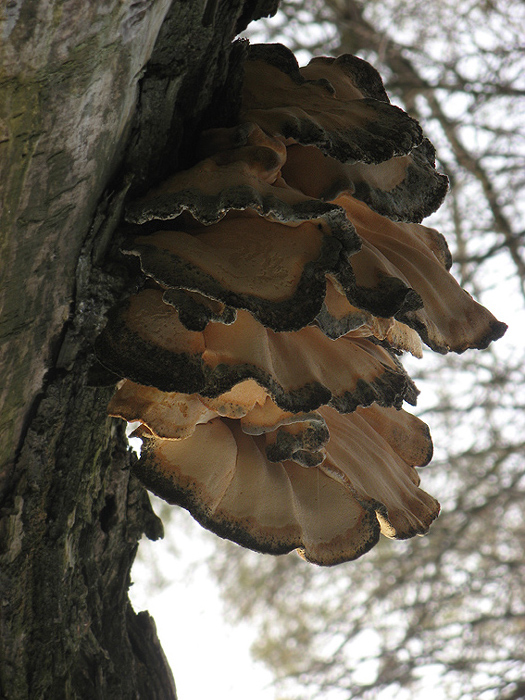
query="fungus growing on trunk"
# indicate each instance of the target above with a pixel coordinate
(261, 355)
(333, 512)
(339, 119)
(301, 370)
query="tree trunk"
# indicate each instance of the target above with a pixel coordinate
(97, 97)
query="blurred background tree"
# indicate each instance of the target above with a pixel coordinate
(444, 614)
(441, 616)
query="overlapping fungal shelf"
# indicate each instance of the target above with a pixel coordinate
(261, 356)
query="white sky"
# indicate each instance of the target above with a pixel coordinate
(209, 657)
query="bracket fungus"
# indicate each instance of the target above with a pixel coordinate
(284, 273)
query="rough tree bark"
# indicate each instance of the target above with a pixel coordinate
(96, 98)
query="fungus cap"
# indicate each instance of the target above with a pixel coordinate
(404, 188)
(333, 512)
(145, 342)
(417, 258)
(345, 124)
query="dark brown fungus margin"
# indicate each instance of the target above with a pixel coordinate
(145, 342)
(301, 441)
(350, 77)
(211, 189)
(196, 310)
(339, 317)
(407, 188)
(240, 179)
(333, 513)
(404, 188)
(276, 272)
(283, 103)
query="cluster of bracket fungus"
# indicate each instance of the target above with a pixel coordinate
(261, 356)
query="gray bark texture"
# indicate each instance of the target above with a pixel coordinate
(97, 100)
